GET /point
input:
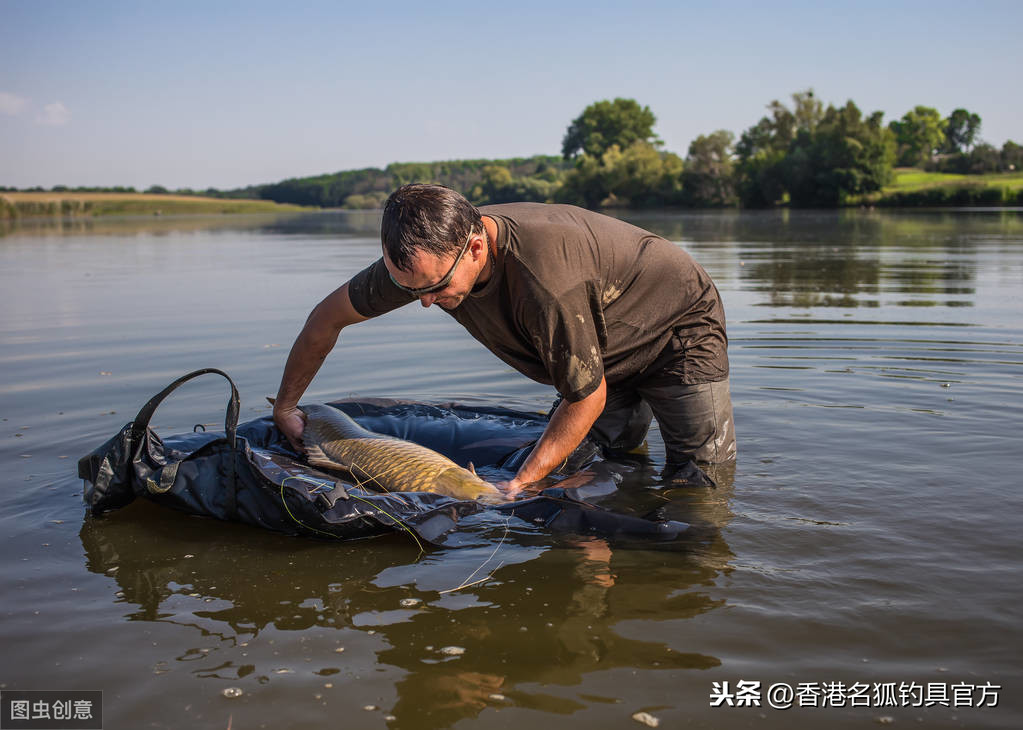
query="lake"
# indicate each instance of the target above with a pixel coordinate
(864, 552)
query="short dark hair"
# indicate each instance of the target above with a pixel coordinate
(431, 218)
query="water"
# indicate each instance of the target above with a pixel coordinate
(868, 534)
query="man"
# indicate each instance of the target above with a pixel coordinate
(623, 323)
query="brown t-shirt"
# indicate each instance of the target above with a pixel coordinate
(576, 295)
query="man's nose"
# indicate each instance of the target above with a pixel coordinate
(427, 299)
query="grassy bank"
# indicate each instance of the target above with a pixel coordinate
(59, 205)
(913, 187)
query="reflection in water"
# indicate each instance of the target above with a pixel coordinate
(849, 258)
(902, 228)
(815, 278)
(548, 616)
(877, 466)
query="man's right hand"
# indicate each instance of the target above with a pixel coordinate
(291, 422)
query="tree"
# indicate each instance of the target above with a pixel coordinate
(961, 129)
(605, 123)
(760, 181)
(775, 133)
(498, 185)
(708, 178)
(639, 176)
(845, 155)
(982, 159)
(807, 110)
(1011, 156)
(761, 149)
(918, 135)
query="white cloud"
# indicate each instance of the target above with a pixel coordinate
(12, 104)
(54, 115)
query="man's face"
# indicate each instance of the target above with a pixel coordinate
(427, 270)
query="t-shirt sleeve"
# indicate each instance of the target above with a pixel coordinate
(566, 340)
(373, 293)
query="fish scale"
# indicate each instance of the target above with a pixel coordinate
(334, 441)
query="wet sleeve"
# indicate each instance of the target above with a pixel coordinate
(565, 337)
(373, 293)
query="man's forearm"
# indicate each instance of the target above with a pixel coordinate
(307, 355)
(568, 426)
(313, 344)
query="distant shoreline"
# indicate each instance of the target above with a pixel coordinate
(910, 188)
(22, 205)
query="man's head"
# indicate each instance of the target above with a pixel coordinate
(435, 243)
(430, 219)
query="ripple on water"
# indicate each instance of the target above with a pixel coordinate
(867, 532)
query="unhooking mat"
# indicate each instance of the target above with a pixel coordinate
(249, 473)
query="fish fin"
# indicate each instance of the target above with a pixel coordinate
(472, 469)
(271, 400)
(316, 456)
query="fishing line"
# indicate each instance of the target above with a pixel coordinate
(370, 477)
(292, 516)
(354, 496)
(396, 520)
(466, 583)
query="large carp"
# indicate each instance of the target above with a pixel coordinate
(384, 463)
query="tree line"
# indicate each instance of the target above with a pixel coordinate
(536, 178)
(803, 154)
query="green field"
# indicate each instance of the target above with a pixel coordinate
(59, 205)
(912, 187)
(907, 179)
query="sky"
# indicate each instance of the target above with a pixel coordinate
(228, 94)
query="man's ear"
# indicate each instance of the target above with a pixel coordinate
(478, 247)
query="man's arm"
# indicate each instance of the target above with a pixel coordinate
(568, 426)
(314, 343)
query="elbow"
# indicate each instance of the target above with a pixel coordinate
(600, 396)
(593, 404)
(325, 321)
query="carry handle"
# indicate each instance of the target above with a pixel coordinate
(141, 422)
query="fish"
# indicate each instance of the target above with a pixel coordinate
(333, 440)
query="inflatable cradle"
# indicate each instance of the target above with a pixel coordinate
(249, 473)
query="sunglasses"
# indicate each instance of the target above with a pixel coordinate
(434, 288)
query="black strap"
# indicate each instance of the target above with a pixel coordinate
(141, 422)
